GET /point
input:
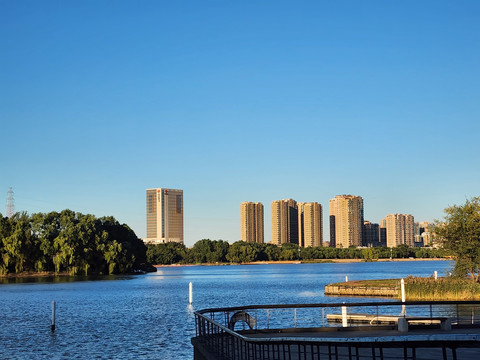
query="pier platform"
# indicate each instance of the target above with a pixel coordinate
(251, 335)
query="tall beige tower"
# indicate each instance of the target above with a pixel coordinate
(164, 216)
(346, 221)
(284, 222)
(310, 224)
(251, 222)
(400, 229)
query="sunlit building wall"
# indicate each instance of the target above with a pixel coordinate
(310, 224)
(400, 229)
(284, 222)
(164, 216)
(251, 222)
(346, 221)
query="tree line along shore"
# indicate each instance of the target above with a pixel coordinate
(70, 243)
(73, 243)
(208, 251)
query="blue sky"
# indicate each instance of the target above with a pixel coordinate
(239, 101)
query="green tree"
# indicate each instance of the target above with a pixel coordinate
(459, 232)
(272, 252)
(68, 241)
(241, 252)
(166, 254)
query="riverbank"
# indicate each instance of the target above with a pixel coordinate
(34, 275)
(416, 288)
(319, 261)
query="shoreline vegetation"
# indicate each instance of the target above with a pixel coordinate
(325, 261)
(68, 242)
(322, 261)
(208, 251)
(416, 288)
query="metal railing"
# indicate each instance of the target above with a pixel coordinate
(299, 331)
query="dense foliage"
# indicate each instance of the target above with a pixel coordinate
(68, 242)
(459, 232)
(219, 251)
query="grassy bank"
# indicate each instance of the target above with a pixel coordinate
(449, 288)
(416, 288)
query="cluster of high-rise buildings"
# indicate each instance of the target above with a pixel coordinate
(293, 222)
(302, 224)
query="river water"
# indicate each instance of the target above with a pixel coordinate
(148, 316)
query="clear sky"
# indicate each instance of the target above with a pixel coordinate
(237, 101)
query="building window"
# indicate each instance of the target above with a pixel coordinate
(179, 204)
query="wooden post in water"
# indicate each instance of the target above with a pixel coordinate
(52, 326)
(190, 293)
(346, 278)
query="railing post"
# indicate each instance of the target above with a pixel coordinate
(268, 318)
(458, 317)
(344, 316)
(295, 317)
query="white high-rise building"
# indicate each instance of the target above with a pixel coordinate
(164, 216)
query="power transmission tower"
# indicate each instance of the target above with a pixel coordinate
(10, 204)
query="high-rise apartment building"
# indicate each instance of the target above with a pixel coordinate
(251, 222)
(346, 221)
(383, 232)
(400, 230)
(284, 222)
(310, 224)
(371, 234)
(164, 216)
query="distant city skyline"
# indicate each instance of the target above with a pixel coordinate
(239, 101)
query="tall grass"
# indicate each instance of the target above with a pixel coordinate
(448, 288)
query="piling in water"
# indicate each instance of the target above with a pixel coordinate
(190, 293)
(52, 326)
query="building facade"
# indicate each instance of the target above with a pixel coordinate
(284, 222)
(346, 221)
(371, 234)
(400, 229)
(251, 222)
(164, 216)
(310, 224)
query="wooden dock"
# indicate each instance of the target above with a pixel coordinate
(379, 319)
(356, 290)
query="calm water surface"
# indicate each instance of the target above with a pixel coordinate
(148, 316)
